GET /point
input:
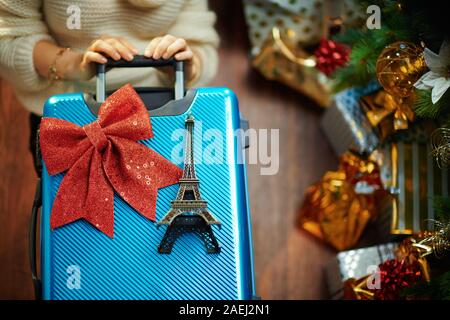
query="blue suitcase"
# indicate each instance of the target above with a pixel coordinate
(79, 262)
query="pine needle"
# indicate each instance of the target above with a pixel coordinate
(424, 107)
(441, 206)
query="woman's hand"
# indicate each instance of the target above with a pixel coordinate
(167, 47)
(170, 46)
(83, 67)
(77, 66)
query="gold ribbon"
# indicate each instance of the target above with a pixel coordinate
(436, 242)
(382, 105)
(419, 247)
(393, 196)
(357, 289)
(286, 51)
(411, 251)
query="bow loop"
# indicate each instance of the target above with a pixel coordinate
(62, 143)
(102, 157)
(132, 115)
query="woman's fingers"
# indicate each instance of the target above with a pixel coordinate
(177, 46)
(184, 55)
(151, 47)
(126, 43)
(123, 50)
(167, 47)
(91, 56)
(162, 46)
(116, 48)
(105, 47)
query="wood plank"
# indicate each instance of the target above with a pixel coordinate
(17, 185)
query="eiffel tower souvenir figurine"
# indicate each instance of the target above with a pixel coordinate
(189, 212)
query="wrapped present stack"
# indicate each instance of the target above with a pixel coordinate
(291, 44)
(388, 114)
(355, 264)
(345, 124)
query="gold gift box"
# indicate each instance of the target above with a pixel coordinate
(416, 179)
(338, 208)
(280, 61)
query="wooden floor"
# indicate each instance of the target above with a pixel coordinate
(288, 263)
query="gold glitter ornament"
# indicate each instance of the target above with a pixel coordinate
(399, 66)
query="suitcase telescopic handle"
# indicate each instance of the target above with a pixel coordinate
(140, 61)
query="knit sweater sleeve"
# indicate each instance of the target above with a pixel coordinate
(196, 24)
(21, 27)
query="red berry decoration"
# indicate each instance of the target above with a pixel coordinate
(396, 275)
(331, 55)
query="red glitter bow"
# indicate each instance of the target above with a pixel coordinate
(330, 55)
(103, 157)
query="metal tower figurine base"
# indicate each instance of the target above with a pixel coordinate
(189, 223)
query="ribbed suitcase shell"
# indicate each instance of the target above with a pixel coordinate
(129, 266)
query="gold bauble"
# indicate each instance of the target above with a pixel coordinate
(399, 66)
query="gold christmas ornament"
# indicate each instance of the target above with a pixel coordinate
(399, 66)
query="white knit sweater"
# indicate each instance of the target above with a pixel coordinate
(25, 22)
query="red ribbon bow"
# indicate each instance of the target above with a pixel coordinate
(103, 157)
